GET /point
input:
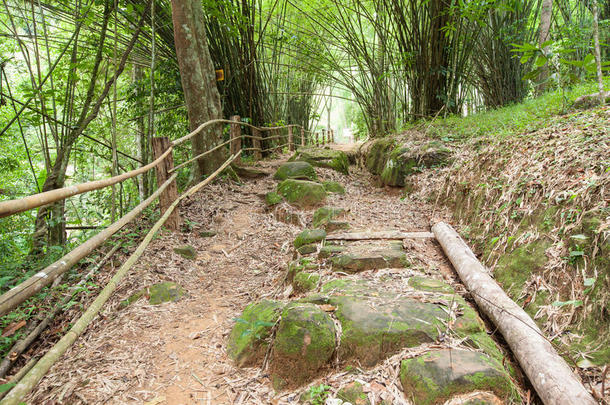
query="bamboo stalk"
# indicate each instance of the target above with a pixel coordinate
(12, 207)
(29, 381)
(548, 372)
(15, 296)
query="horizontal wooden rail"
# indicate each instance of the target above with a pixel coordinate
(181, 165)
(223, 121)
(12, 207)
(29, 381)
(18, 294)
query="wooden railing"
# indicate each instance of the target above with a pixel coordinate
(167, 192)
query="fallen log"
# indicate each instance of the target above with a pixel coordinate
(548, 372)
(369, 235)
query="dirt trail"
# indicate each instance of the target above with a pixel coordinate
(174, 353)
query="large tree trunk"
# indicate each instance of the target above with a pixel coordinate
(198, 81)
(545, 26)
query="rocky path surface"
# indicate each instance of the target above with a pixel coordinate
(252, 305)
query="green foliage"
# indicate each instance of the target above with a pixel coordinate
(318, 394)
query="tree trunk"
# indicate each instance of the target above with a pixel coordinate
(198, 81)
(546, 14)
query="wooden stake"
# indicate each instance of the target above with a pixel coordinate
(235, 137)
(290, 140)
(170, 194)
(302, 136)
(548, 372)
(256, 141)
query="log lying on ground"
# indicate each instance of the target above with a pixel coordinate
(548, 372)
(369, 235)
(29, 381)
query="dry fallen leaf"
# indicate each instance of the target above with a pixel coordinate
(12, 328)
(328, 308)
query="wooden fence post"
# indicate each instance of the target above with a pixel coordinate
(317, 139)
(290, 140)
(167, 197)
(235, 138)
(332, 136)
(323, 137)
(256, 142)
(302, 136)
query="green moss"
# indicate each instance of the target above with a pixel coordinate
(429, 284)
(308, 249)
(324, 214)
(397, 167)
(329, 250)
(323, 157)
(247, 341)
(296, 170)
(164, 292)
(309, 236)
(302, 193)
(272, 198)
(377, 155)
(303, 264)
(186, 251)
(354, 394)
(304, 342)
(516, 267)
(333, 187)
(304, 282)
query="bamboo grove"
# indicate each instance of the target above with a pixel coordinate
(85, 85)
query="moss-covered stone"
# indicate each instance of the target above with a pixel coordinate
(515, 268)
(373, 332)
(329, 250)
(309, 236)
(333, 187)
(438, 375)
(272, 198)
(354, 394)
(303, 264)
(332, 226)
(186, 251)
(207, 233)
(248, 339)
(368, 258)
(301, 192)
(429, 284)
(296, 170)
(308, 249)
(324, 214)
(304, 342)
(249, 172)
(323, 157)
(403, 161)
(157, 294)
(378, 154)
(304, 281)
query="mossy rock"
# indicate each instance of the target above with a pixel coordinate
(429, 284)
(308, 249)
(323, 157)
(514, 268)
(324, 214)
(372, 332)
(248, 339)
(332, 226)
(302, 193)
(296, 170)
(309, 236)
(186, 251)
(303, 264)
(404, 161)
(272, 198)
(355, 261)
(436, 376)
(207, 233)
(157, 294)
(333, 187)
(249, 172)
(378, 154)
(304, 282)
(354, 394)
(304, 343)
(329, 250)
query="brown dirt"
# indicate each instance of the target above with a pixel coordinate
(174, 353)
